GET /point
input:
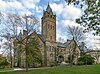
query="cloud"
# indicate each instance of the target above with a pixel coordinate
(66, 14)
(13, 7)
(20, 6)
(39, 9)
(57, 8)
(29, 3)
(71, 12)
(51, 1)
(92, 41)
(67, 11)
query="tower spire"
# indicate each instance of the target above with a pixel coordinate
(49, 10)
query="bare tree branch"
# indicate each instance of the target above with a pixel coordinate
(76, 32)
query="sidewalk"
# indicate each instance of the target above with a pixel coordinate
(17, 69)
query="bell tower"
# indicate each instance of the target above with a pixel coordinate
(48, 21)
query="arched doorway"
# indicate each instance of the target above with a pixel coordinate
(60, 58)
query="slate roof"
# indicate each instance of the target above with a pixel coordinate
(89, 50)
(59, 44)
(20, 35)
(41, 37)
(49, 10)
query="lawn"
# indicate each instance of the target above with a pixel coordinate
(90, 69)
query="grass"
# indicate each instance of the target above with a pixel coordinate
(90, 69)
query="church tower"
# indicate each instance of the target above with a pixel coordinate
(49, 25)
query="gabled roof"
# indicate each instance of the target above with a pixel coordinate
(23, 37)
(90, 50)
(20, 36)
(41, 37)
(59, 44)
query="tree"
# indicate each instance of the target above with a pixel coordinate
(9, 32)
(27, 23)
(11, 23)
(3, 62)
(71, 48)
(91, 16)
(86, 59)
(7, 47)
(34, 54)
(76, 33)
(83, 48)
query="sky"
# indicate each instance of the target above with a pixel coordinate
(66, 14)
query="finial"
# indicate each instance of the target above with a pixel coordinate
(48, 3)
(73, 38)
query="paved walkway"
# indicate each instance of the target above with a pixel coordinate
(17, 69)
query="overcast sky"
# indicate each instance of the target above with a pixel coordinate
(66, 15)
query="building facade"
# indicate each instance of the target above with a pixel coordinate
(95, 54)
(51, 50)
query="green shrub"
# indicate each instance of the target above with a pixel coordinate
(3, 63)
(86, 59)
(80, 62)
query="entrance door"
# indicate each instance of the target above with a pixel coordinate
(60, 58)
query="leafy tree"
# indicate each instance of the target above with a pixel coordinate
(9, 32)
(91, 16)
(34, 54)
(28, 23)
(86, 60)
(7, 47)
(18, 50)
(3, 62)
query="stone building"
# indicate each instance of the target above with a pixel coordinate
(51, 50)
(95, 54)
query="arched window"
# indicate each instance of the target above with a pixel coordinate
(51, 26)
(51, 16)
(48, 26)
(60, 58)
(51, 55)
(50, 48)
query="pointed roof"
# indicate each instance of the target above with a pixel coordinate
(20, 36)
(41, 37)
(49, 10)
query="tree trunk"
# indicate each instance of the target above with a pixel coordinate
(10, 55)
(26, 59)
(45, 55)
